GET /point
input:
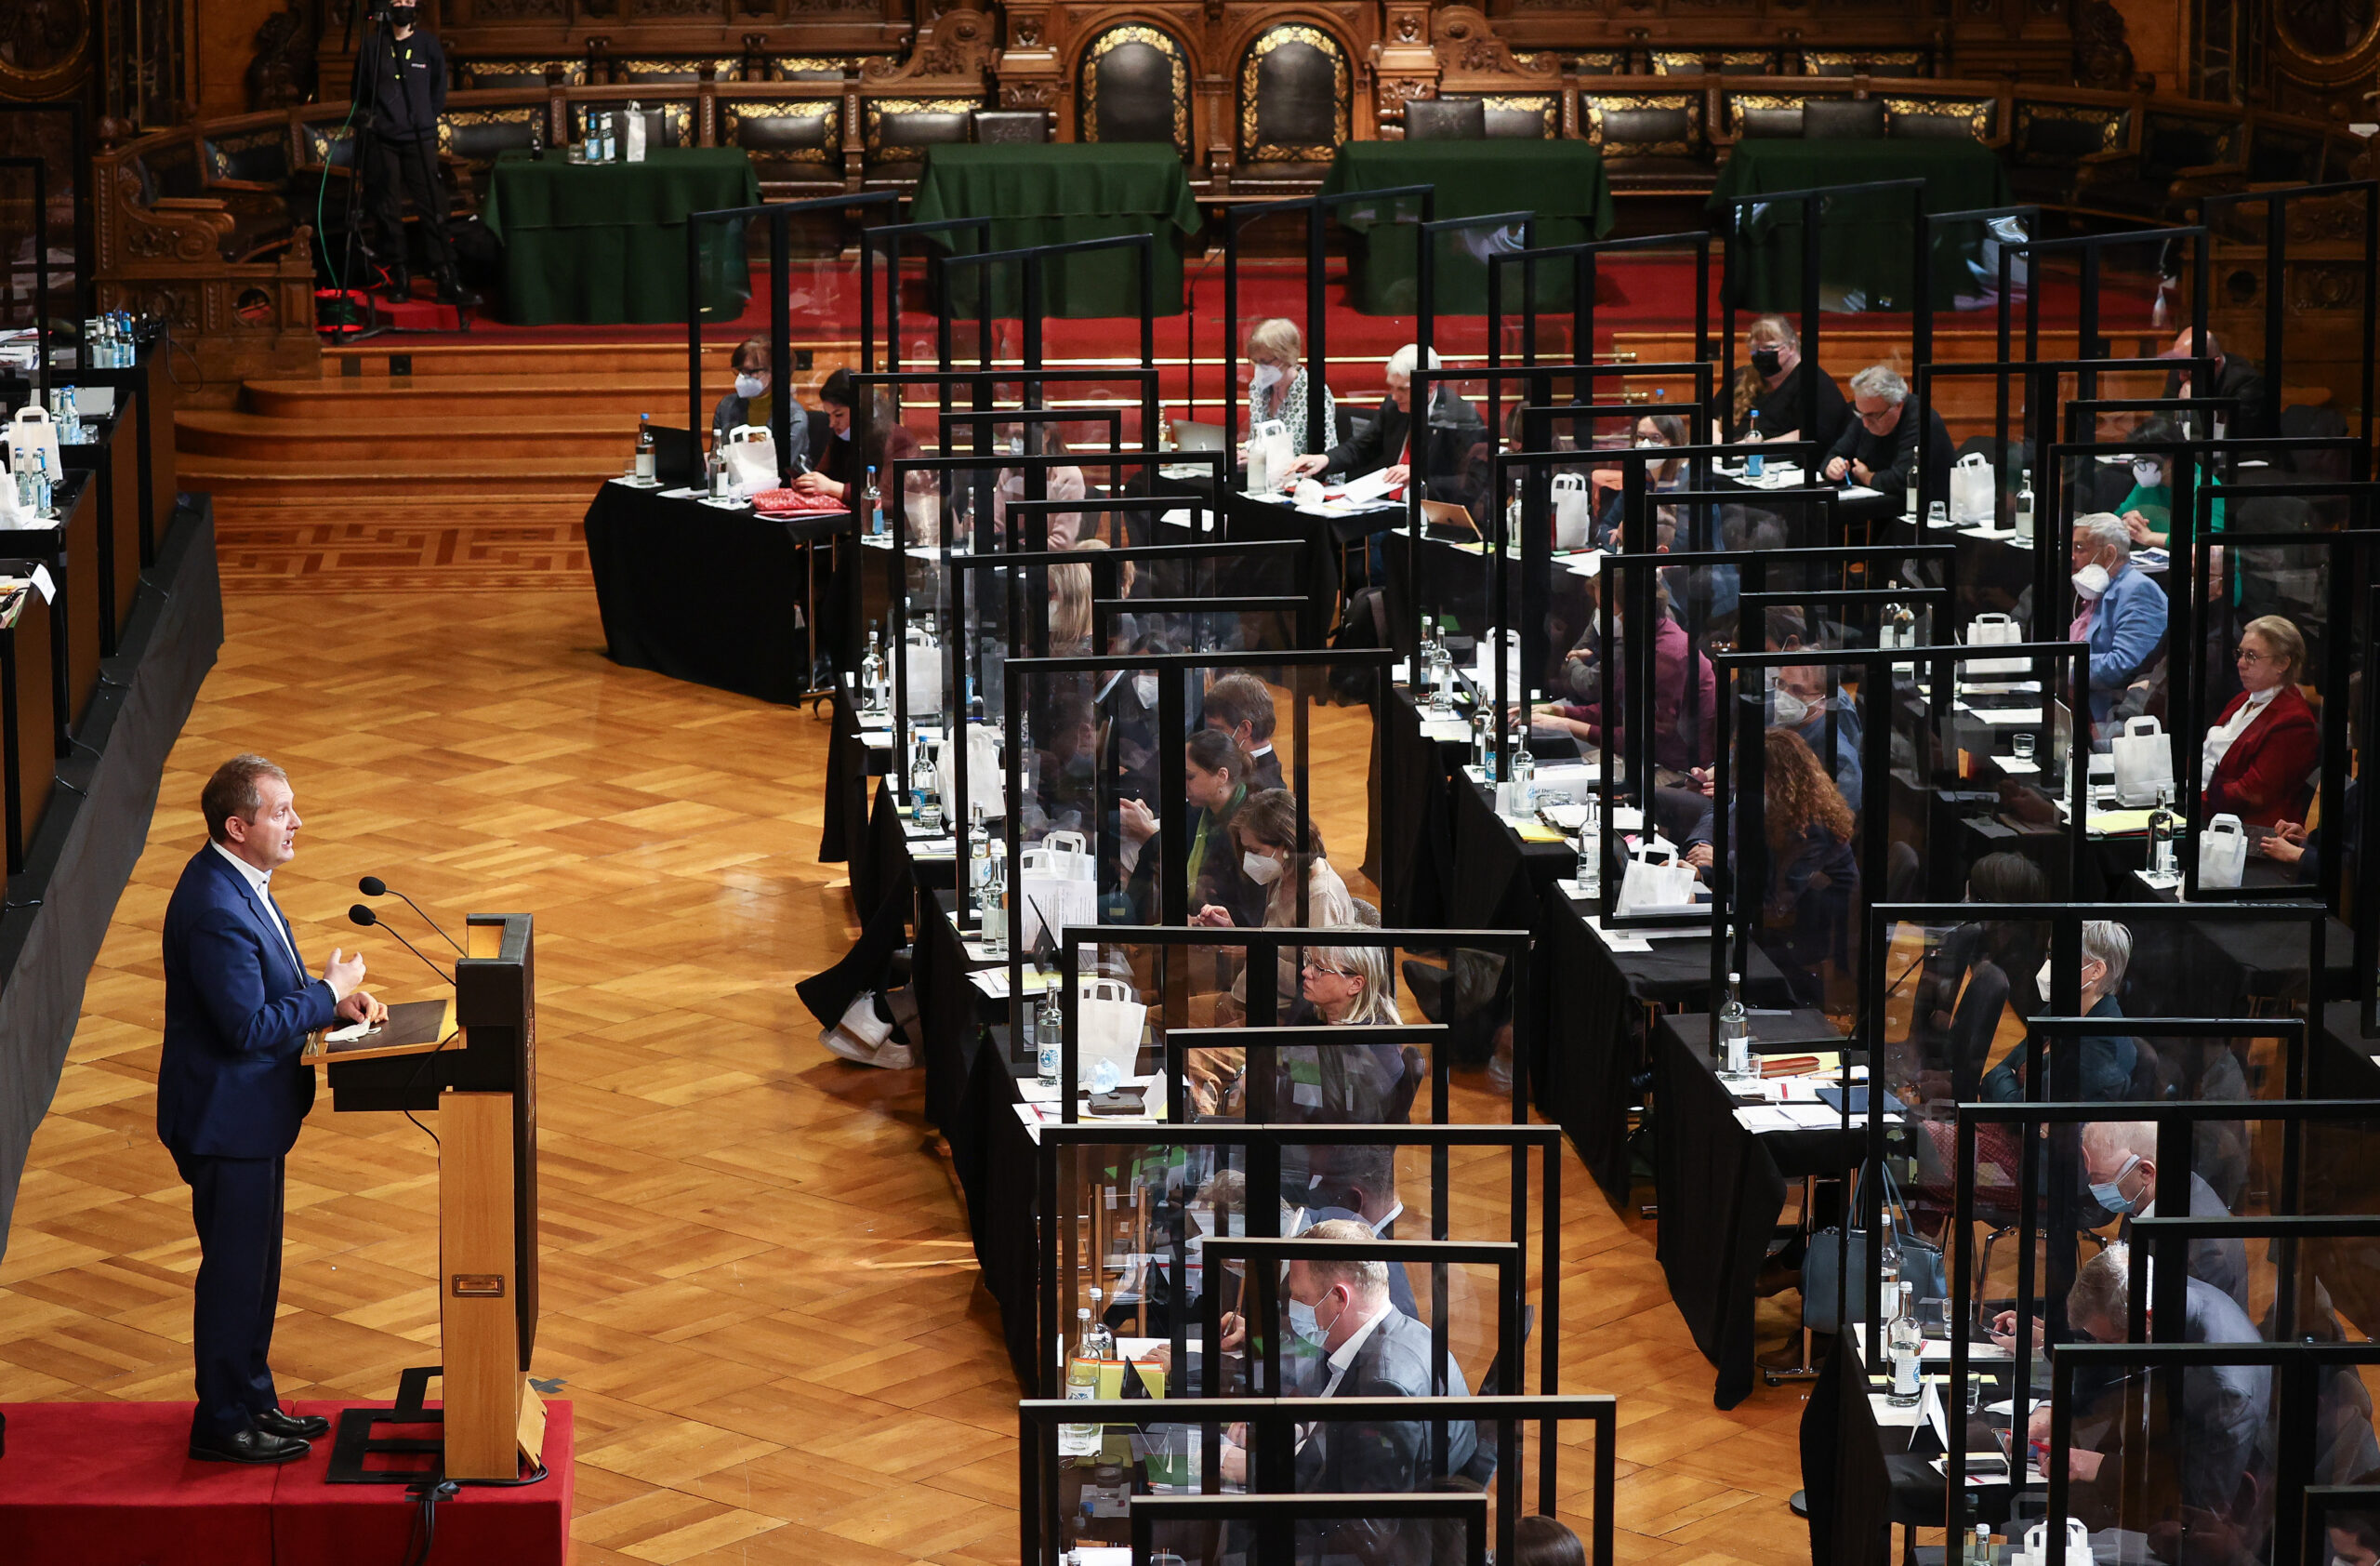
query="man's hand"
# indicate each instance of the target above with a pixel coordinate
(1134, 821)
(1235, 1334)
(1235, 1463)
(1699, 856)
(1396, 473)
(1306, 466)
(1861, 471)
(2137, 525)
(1835, 467)
(343, 974)
(1212, 917)
(362, 1006)
(1704, 780)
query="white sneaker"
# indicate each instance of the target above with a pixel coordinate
(851, 1049)
(895, 1056)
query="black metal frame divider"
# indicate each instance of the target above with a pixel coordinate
(2367, 889)
(1109, 562)
(1030, 259)
(2093, 247)
(2153, 1237)
(1174, 811)
(1318, 209)
(1583, 280)
(1278, 1416)
(1261, 1146)
(2077, 409)
(2055, 542)
(2321, 1500)
(2054, 1100)
(886, 239)
(2349, 555)
(2173, 1118)
(1507, 1256)
(1264, 947)
(2277, 269)
(40, 167)
(78, 160)
(779, 217)
(1033, 534)
(1262, 1104)
(1035, 473)
(2298, 1367)
(1813, 205)
(1276, 1518)
(1638, 655)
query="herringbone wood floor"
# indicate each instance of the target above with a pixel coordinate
(758, 1281)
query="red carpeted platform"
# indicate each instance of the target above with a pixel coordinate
(108, 1484)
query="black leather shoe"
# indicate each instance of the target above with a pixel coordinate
(452, 291)
(399, 286)
(247, 1446)
(301, 1426)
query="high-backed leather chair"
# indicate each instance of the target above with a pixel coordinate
(1134, 86)
(1843, 119)
(785, 138)
(1295, 96)
(1011, 128)
(2054, 142)
(898, 131)
(1650, 141)
(1446, 119)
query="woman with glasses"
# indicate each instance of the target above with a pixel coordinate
(2258, 760)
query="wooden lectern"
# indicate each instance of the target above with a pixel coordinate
(480, 1073)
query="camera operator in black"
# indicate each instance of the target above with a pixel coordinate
(401, 89)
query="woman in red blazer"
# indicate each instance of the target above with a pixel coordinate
(2261, 773)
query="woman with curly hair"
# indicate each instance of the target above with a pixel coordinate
(1813, 881)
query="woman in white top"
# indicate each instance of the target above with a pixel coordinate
(1278, 385)
(1265, 828)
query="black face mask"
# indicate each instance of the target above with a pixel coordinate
(1764, 360)
(403, 15)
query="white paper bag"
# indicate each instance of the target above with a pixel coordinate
(923, 685)
(1109, 1024)
(1270, 452)
(1056, 885)
(1656, 879)
(2222, 853)
(984, 775)
(633, 141)
(751, 453)
(2144, 761)
(30, 431)
(1573, 511)
(1971, 489)
(1994, 630)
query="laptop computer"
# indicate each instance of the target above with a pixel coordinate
(676, 458)
(1191, 435)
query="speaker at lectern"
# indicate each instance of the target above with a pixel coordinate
(474, 1061)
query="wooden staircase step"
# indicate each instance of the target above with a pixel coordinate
(516, 400)
(427, 439)
(371, 361)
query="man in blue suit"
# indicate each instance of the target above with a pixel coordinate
(232, 1092)
(2122, 612)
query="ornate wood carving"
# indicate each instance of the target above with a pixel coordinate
(1467, 45)
(960, 45)
(2102, 57)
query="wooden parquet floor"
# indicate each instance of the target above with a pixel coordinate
(758, 1286)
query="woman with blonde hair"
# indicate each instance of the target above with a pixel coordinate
(1278, 385)
(1770, 385)
(1069, 611)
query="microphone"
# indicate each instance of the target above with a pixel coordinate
(373, 886)
(366, 918)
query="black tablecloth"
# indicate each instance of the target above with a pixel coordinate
(1504, 881)
(1421, 834)
(851, 763)
(1844, 1472)
(1721, 1188)
(699, 593)
(1594, 1026)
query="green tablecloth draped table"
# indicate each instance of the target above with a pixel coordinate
(1055, 194)
(602, 243)
(1563, 182)
(1864, 244)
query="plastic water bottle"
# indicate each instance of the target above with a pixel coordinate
(872, 504)
(1906, 1344)
(995, 909)
(925, 799)
(1523, 779)
(871, 673)
(1755, 464)
(43, 492)
(1049, 1032)
(2162, 824)
(644, 453)
(1735, 1033)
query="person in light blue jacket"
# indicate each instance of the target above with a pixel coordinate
(2121, 612)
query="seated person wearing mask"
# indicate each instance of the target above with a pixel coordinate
(1879, 447)
(1798, 704)
(2104, 1062)
(1215, 786)
(2120, 1160)
(750, 402)
(2148, 507)
(2234, 378)
(1058, 483)
(2259, 757)
(1241, 706)
(1653, 431)
(832, 468)
(1266, 829)
(1685, 690)
(1367, 1348)
(1977, 971)
(1279, 386)
(2121, 614)
(1769, 386)
(1452, 427)
(2224, 1419)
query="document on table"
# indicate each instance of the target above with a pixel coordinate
(1446, 731)
(1363, 491)
(2017, 767)
(1658, 933)
(2029, 715)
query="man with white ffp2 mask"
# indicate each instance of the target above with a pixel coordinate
(2120, 613)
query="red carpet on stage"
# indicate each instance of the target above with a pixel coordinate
(109, 1484)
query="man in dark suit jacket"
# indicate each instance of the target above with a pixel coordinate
(232, 1092)
(1371, 1350)
(2234, 377)
(1451, 429)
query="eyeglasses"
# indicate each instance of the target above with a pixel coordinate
(2249, 654)
(1338, 973)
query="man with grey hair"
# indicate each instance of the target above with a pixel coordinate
(1453, 427)
(2103, 1062)
(1879, 447)
(2226, 1410)
(2119, 1161)
(2120, 613)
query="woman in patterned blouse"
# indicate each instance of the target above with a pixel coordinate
(1277, 384)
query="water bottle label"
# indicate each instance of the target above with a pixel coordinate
(1905, 1374)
